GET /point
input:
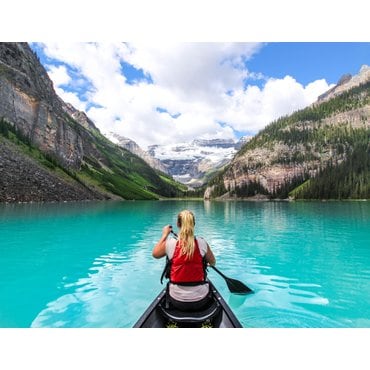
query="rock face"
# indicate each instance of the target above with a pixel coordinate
(345, 83)
(300, 145)
(29, 102)
(78, 116)
(134, 148)
(94, 167)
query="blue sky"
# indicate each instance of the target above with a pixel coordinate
(309, 61)
(175, 92)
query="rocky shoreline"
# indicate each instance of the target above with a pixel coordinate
(24, 180)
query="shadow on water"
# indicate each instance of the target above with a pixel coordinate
(237, 300)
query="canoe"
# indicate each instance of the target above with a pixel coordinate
(215, 315)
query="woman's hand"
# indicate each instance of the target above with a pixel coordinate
(159, 249)
(166, 231)
(210, 257)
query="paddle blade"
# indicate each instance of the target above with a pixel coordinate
(236, 286)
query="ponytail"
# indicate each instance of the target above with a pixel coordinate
(186, 222)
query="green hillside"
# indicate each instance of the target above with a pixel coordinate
(116, 171)
(330, 154)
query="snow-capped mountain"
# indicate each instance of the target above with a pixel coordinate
(190, 163)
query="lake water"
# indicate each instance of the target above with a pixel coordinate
(90, 265)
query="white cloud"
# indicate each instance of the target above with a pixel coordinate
(59, 75)
(202, 83)
(194, 70)
(253, 108)
(72, 98)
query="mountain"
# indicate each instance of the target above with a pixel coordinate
(346, 83)
(321, 152)
(134, 148)
(193, 163)
(52, 152)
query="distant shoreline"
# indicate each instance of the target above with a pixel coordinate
(252, 200)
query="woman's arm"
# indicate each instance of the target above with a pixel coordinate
(210, 258)
(159, 249)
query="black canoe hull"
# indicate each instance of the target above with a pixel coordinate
(154, 316)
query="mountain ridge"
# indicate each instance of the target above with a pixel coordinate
(299, 147)
(63, 141)
(134, 148)
(192, 163)
(345, 83)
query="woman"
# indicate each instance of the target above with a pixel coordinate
(188, 256)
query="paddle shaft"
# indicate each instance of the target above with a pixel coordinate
(218, 271)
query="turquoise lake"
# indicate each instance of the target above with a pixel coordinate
(89, 264)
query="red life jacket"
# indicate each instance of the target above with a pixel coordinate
(184, 270)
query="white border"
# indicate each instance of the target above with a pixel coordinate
(184, 349)
(185, 20)
(190, 20)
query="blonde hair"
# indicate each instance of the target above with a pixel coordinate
(186, 223)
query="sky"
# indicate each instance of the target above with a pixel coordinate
(157, 93)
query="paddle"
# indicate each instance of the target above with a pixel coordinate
(235, 286)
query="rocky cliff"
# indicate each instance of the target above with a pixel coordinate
(32, 115)
(346, 83)
(134, 148)
(299, 147)
(29, 102)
